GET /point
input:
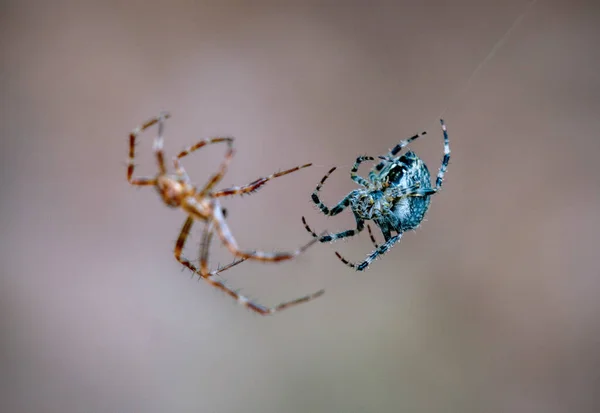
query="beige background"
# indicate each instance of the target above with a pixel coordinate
(491, 306)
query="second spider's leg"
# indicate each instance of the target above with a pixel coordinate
(158, 150)
(229, 241)
(210, 277)
(372, 237)
(257, 184)
(446, 160)
(343, 204)
(379, 251)
(396, 149)
(353, 172)
(385, 230)
(324, 209)
(176, 160)
(360, 225)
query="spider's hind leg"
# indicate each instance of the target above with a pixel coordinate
(210, 277)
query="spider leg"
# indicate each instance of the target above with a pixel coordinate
(446, 159)
(324, 209)
(372, 236)
(216, 178)
(255, 185)
(158, 150)
(343, 204)
(382, 249)
(360, 225)
(179, 169)
(183, 235)
(207, 235)
(210, 277)
(396, 149)
(385, 230)
(414, 190)
(353, 172)
(315, 194)
(229, 241)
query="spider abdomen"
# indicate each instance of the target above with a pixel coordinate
(410, 212)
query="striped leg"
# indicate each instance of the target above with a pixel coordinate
(382, 249)
(216, 178)
(372, 237)
(210, 277)
(445, 160)
(207, 235)
(413, 191)
(229, 241)
(157, 147)
(257, 184)
(353, 173)
(396, 149)
(324, 209)
(180, 169)
(360, 225)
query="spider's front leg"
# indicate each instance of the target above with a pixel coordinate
(413, 190)
(446, 160)
(257, 184)
(158, 150)
(343, 204)
(396, 149)
(180, 170)
(382, 249)
(353, 172)
(336, 209)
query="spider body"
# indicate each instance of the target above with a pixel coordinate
(403, 213)
(396, 197)
(202, 204)
(174, 193)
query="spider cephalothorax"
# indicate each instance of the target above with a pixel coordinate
(395, 197)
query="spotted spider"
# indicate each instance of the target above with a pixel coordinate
(396, 197)
(202, 204)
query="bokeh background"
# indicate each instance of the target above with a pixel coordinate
(491, 306)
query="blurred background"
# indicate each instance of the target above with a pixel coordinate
(491, 306)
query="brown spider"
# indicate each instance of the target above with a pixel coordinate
(203, 205)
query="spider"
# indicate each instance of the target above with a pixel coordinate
(202, 204)
(396, 197)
